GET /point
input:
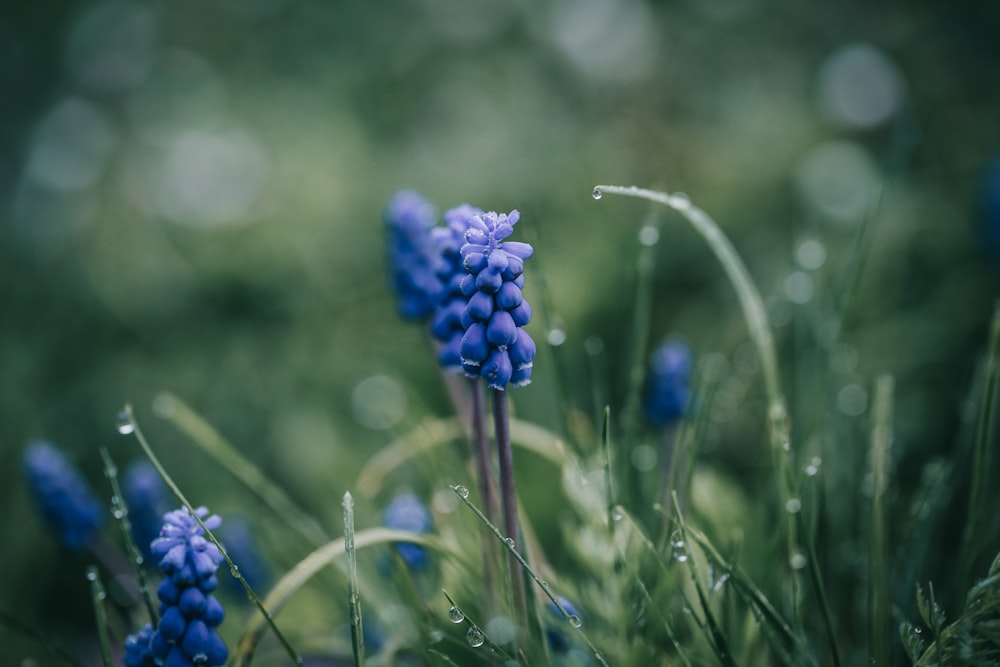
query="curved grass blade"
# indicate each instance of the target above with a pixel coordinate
(474, 627)
(573, 620)
(100, 613)
(433, 433)
(169, 407)
(121, 514)
(357, 628)
(129, 417)
(755, 316)
(295, 578)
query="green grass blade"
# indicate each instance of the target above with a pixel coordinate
(434, 433)
(98, 596)
(980, 457)
(879, 628)
(210, 441)
(573, 620)
(129, 418)
(120, 512)
(299, 575)
(354, 596)
(475, 630)
(817, 581)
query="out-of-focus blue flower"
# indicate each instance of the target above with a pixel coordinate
(495, 346)
(138, 652)
(189, 613)
(446, 325)
(148, 499)
(556, 626)
(412, 256)
(407, 512)
(238, 539)
(669, 382)
(61, 495)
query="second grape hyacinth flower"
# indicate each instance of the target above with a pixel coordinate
(495, 345)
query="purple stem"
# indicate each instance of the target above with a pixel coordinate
(508, 496)
(487, 490)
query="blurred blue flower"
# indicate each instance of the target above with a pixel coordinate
(412, 256)
(189, 613)
(138, 652)
(495, 346)
(446, 325)
(147, 498)
(407, 512)
(668, 384)
(61, 495)
(556, 624)
(238, 539)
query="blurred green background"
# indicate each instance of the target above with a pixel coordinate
(191, 196)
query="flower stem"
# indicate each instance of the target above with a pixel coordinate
(508, 496)
(487, 491)
(357, 632)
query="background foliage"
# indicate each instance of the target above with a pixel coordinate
(190, 199)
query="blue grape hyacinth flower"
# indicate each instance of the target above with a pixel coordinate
(189, 613)
(148, 500)
(446, 325)
(669, 382)
(495, 346)
(62, 496)
(138, 652)
(412, 257)
(407, 512)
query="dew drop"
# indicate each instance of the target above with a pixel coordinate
(597, 193)
(680, 201)
(678, 547)
(118, 514)
(793, 505)
(139, 560)
(235, 571)
(575, 621)
(797, 561)
(102, 595)
(509, 541)
(475, 638)
(462, 491)
(125, 425)
(456, 615)
(719, 583)
(91, 576)
(617, 513)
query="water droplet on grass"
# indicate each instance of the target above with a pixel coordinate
(680, 201)
(793, 505)
(509, 541)
(475, 638)
(797, 561)
(125, 425)
(597, 193)
(575, 621)
(462, 491)
(813, 468)
(617, 513)
(456, 615)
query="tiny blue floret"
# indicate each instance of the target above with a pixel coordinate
(62, 496)
(495, 345)
(409, 219)
(669, 381)
(407, 512)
